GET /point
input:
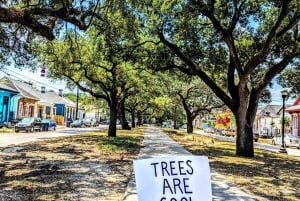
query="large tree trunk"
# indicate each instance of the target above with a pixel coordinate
(123, 122)
(139, 119)
(112, 129)
(189, 128)
(133, 119)
(244, 140)
(245, 116)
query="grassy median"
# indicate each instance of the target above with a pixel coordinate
(273, 176)
(82, 167)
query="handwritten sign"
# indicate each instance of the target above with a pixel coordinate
(181, 178)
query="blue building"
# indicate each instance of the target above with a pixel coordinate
(8, 103)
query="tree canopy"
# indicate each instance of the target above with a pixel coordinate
(22, 21)
(236, 47)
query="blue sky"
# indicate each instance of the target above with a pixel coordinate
(276, 95)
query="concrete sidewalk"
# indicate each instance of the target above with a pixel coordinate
(157, 144)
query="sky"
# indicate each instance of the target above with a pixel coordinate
(37, 80)
(276, 95)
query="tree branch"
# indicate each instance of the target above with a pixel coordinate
(31, 18)
(195, 70)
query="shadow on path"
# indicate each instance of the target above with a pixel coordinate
(157, 144)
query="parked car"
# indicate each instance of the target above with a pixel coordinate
(229, 132)
(105, 122)
(87, 122)
(209, 130)
(289, 140)
(29, 124)
(51, 123)
(77, 124)
(90, 122)
(255, 135)
(94, 122)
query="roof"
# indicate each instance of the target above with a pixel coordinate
(25, 89)
(7, 88)
(56, 99)
(269, 111)
(295, 107)
(28, 91)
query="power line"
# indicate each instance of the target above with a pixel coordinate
(22, 77)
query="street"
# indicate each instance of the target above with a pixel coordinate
(7, 139)
(274, 148)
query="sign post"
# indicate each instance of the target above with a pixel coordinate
(180, 178)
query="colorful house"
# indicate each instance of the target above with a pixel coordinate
(64, 109)
(6, 95)
(294, 111)
(22, 99)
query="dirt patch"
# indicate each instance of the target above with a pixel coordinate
(72, 168)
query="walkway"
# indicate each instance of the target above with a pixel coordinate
(157, 144)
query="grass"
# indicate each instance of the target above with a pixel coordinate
(273, 176)
(82, 167)
(6, 130)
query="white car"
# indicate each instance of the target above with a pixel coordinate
(289, 140)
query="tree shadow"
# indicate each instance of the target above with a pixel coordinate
(70, 170)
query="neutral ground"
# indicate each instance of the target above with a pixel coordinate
(85, 167)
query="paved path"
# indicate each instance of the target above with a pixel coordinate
(157, 144)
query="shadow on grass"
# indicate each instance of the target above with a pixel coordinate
(70, 168)
(270, 175)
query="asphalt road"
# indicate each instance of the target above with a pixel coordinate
(7, 139)
(273, 148)
(18, 138)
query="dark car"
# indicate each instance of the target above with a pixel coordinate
(51, 123)
(255, 136)
(29, 124)
(105, 122)
(77, 124)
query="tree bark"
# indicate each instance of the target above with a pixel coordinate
(189, 128)
(244, 140)
(122, 115)
(112, 129)
(133, 119)
(140, 119)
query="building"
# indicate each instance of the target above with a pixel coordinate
(268, 120)
(294, 112)
(21, 99)
(6, 95)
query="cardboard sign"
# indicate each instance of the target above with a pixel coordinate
(180, 178)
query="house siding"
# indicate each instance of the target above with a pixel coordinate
(294, 111)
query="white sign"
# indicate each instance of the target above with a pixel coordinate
(180, 178)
